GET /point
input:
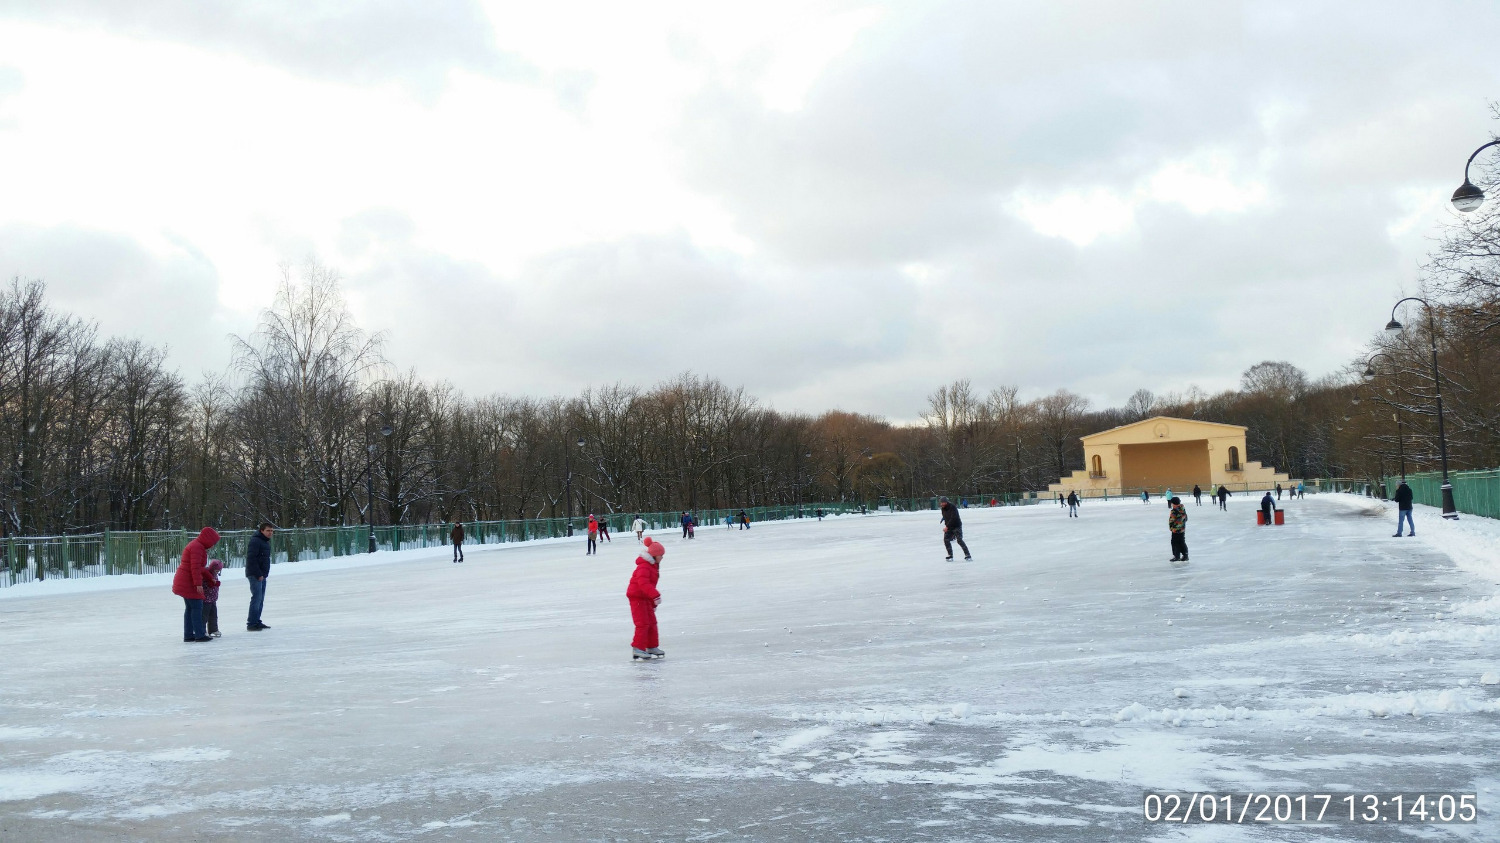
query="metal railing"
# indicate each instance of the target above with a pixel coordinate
(28, 558)
(1474, 492)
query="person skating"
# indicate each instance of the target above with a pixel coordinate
(1072, 504)
(644, 598)
(820, 513)
(1197, 496)
(1145, 496)
(1223, 498)
(457, 537)
(1177, 523)
(188, 583)
(1403, 498)
(953, 530)
(1267, 507)
(1059, 499)
(257, 568)
(1169, 497)
(744, 520)
(604, 529)
(684, 520)
(1278, 491)
(1301, 490)
(639, 526)
(211, 598)
(593, 536)
(692, 525)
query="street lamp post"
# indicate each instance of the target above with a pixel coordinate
(568, 470)
(385, 430)
(1468, 197)
(1450, 511)
(1400, 436)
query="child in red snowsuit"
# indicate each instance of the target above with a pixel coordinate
(644, 598)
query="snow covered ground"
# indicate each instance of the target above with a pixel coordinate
(825, 681)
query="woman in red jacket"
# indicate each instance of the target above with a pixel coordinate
(644, 598)
(188, 584)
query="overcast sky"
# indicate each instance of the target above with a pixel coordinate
(832, 204)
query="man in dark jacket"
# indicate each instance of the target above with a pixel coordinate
(1403, 498)
(1268, 508)
(257, 568)
(1223, 497)
(457, 537)
(953, 530)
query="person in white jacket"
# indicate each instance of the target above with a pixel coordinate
(639, 527)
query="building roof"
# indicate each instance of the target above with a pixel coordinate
(1157, 419)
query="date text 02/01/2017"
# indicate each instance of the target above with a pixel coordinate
(1252, 807)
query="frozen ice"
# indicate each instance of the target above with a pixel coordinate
(1022, 696)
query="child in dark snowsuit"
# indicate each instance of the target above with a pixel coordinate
(211, 597)
(644, 598)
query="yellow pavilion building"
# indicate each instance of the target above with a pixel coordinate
(1162, 453)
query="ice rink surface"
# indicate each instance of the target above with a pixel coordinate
(824, 681)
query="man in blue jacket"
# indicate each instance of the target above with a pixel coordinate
(257, 568)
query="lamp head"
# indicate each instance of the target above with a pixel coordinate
(1369, 371)
(385, 430)
(581, 443)
(1354, 400)
(1393, 327)
(1468, 197)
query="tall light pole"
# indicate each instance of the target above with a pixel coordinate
(1468, 197)
(1450, 511)
(385, 430)
(568, 470)
(1400, 437)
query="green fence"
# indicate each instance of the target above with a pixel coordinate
(1474, 492)
(103, 554)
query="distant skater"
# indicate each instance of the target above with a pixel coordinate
(644, 598)
(1267, 507)
(604, 529)
(1169, 497)
(685, 520)
(1072, 504)
(953, 530)
(1223, 498)
(1059, 499)
(1197, 496)
(593, 536)
(1177, 523)
(744, 520)
(639, 526)
(1403, 498)
(457, 537)
(1145, 496)
(1278, 491)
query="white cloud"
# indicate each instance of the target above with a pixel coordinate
(835, 203)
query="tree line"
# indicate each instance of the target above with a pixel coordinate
(313, 426)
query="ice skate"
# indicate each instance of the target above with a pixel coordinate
(637, 654)
(657, 652)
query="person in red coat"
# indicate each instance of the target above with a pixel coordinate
(644, 598)
(189, 581)
(593, 536)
